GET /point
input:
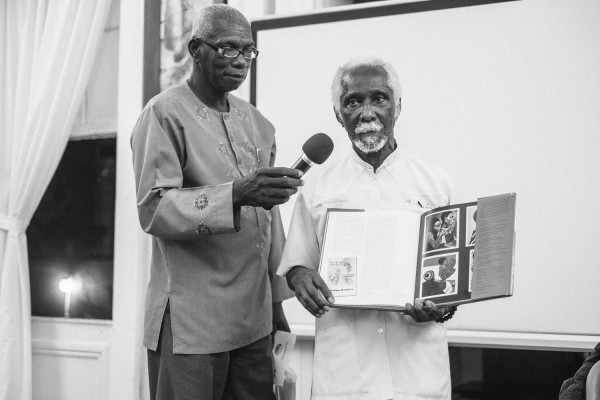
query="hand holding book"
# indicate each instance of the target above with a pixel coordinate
(427, 310)
(310, 290)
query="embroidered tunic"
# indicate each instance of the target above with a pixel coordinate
(370, 355)
(214, 274)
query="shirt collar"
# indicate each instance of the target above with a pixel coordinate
(386, 163)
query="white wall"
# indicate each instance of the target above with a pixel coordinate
(505, 97)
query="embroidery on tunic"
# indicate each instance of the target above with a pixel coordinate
(261, 244)
(246, 209)
(249, 148)
(242, 114)
(203, 229)
(202, 112)
(233, 173)
(201, 202)
(223, 149)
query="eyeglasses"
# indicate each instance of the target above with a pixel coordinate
(231, 52)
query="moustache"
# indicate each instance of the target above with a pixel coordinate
(366, 127)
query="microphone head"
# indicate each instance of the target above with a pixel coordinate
(318, 148)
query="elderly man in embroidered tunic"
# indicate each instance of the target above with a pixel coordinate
(207, 192)
(364, 354)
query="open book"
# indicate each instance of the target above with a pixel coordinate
(450, 255)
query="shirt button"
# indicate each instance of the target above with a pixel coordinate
(380, 330)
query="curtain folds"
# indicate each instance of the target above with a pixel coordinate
(47, 50)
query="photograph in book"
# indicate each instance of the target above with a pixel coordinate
(341, 275)
(471, 262)
(471, 225)
(439, 275)
(442, 230)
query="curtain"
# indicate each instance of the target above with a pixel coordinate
(47, 50)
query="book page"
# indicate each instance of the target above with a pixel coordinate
(369, 258)
(442, 274)
(493, 265)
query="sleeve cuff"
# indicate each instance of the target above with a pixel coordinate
(280, 290)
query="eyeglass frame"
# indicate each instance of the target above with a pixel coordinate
(221, 50)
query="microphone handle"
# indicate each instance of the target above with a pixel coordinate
(303, 163)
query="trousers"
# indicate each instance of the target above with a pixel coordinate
(241, 374)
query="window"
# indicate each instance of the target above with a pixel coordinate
(71, 235)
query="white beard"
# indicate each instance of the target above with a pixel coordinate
(370, 138)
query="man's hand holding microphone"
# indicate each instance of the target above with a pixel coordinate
(268, 187)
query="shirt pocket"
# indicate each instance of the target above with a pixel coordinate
(263, 157)
(429, 201)
(424, 346)
(336, 366)
(433, 327)
(322, 202)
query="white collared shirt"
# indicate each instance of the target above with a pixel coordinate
(370, 355)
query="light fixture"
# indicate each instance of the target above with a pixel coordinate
(68, 285)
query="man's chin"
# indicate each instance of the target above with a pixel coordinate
(370, 148)
(370, 142)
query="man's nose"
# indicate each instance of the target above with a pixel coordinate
(240, 61)
(367, 113)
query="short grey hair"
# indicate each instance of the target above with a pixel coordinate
(203, 26)
(367, 61)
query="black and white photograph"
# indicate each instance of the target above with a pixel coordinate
(442, 230)
(471, 225)
(439, 275)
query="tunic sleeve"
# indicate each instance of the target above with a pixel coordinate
(166, 209)
(302, 245)
(279, 287)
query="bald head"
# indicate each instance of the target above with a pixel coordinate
(204, 23)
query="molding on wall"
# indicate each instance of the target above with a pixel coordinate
(522, 340)
(61, 349)
(496, 340)
(74, 349)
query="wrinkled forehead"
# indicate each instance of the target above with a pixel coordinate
(365, 76)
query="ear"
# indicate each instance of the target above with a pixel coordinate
(338, 117)
(194, 49)
(399, 105)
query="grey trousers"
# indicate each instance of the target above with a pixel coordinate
(241, 374)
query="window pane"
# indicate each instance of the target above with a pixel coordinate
(71, 235)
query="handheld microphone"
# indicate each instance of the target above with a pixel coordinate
(315, 150)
